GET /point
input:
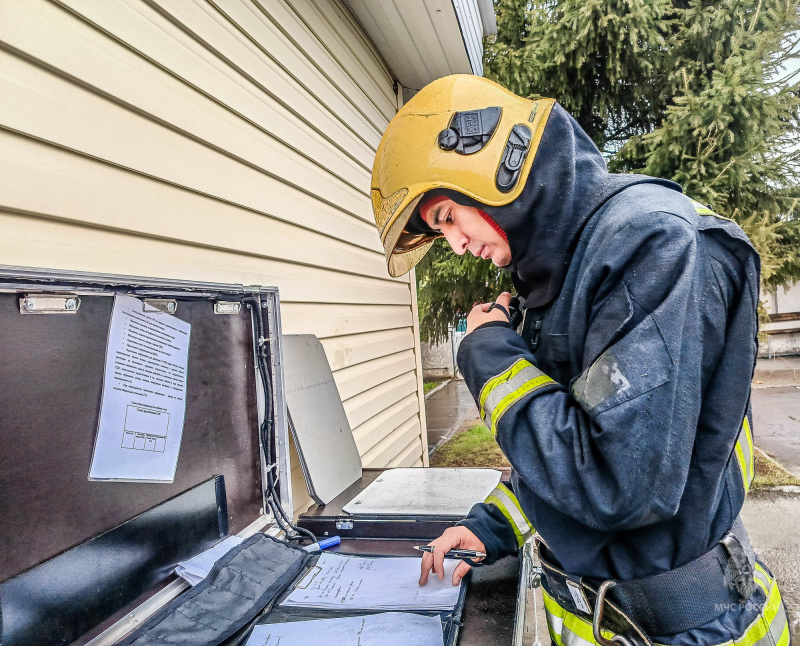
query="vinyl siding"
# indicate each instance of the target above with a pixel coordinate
(218, 140)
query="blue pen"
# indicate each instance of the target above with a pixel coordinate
(321, 545)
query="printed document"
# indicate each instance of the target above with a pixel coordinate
(387, 629)
(356, 582)
(197, 568)
(144, 395)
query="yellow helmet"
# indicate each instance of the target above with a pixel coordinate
(461, 132)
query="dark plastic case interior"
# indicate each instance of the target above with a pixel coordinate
(51, 373)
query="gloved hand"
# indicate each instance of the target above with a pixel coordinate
(453, 538)
(480, 313)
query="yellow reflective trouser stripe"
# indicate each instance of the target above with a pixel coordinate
(567, 629)
(744, 454)
(503, 391)
(503, 498)
(770, 628)
(761, 578)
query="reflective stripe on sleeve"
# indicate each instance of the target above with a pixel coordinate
(503, 498)
(744, 455)
(503, 391)
(702, 209)
(769, 628)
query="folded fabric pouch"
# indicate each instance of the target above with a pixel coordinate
(241, 584)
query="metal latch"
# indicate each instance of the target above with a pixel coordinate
(166, 305)
(344, 524)
(227, 307)
(49, 304)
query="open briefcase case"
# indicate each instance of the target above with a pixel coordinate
(91, 561)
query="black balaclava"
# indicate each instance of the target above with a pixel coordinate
(567, 183)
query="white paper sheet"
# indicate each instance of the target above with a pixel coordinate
(197, 568)
(424, 492)
(144, 395)
(386, 629)
(356, 582)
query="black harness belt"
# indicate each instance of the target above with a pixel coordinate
(664, 604)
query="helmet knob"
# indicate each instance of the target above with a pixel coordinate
(448, 139)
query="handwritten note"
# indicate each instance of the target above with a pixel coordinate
(355, 582)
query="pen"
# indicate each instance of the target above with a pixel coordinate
(322, 544)
(453, 554)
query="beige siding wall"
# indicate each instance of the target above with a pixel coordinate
(219, 140)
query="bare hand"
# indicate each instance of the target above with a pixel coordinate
(479, 314)
(452, 538)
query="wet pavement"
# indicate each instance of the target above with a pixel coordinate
(777, 371)
(776, 424)
(776, 409)
(772, 519)
(445, 409)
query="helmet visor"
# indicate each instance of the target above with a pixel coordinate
(402, 249)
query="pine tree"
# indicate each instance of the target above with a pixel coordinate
(601, 59)
(730, 135)
(448, 285)
(688, 90)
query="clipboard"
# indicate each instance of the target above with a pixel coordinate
(228, 604)
(452, 620)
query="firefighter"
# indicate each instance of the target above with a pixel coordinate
(622, 400)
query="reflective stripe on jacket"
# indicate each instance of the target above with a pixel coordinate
(504, 500)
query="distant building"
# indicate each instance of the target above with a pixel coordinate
(439, 361)
(783, 330)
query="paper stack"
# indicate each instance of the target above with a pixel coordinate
(353, 582)
(388, 629)
(197, 568)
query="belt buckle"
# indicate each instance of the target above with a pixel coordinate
(594, 615)
(738, 569)
(599, 607)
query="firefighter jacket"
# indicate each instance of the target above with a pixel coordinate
(627, 425)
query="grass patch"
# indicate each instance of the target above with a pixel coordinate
(427, 386)
(474, 447)
(770, 473)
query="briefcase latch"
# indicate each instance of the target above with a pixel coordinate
(49, 304)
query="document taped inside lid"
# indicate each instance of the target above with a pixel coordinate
(144, 395)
